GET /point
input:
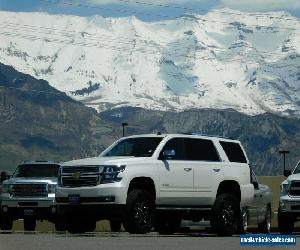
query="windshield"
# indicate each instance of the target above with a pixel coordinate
(137, 147)
(297, 169)
(36, 170)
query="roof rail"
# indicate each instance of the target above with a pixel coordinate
(208, 135)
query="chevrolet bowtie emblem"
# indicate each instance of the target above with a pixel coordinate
(76, 175)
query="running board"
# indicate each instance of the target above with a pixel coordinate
(201, 208)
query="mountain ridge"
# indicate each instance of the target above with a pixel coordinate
(224, 59)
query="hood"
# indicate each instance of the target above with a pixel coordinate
(28, 180)
(293, 177)
(104, 161)
(264, 187)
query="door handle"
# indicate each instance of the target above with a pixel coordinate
(216, 170)
(187, 169)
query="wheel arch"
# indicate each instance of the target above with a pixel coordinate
(231, 187)
(142, 182)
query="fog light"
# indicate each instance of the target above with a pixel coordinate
(53, 210)
(4, 209)
(282, 204)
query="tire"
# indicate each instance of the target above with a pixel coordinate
(167, 223)
(115, 225)
(226, 215)
(60, 224)
(285, 223)
(29, 224)
(243, 228)
(6, 223)
(265, 226)
(140, 208)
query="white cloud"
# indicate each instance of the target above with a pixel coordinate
(261, 5)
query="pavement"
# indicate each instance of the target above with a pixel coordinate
(122, 241)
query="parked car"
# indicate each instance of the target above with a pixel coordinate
(3, 176)
(289, 203)
(157, 180)
(259, 211)
(29, 194)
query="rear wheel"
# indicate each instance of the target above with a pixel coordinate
(140, 212)
(243, 226)
(265, 226)
(115, 225)
(29, 224)
(285, 223)
(226, 215)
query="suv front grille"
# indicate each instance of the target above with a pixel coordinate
(295, 188)
(29, 190)
(80, 176)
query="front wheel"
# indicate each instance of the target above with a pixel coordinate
(60, 224)
(29, 224)
(265, 226)
(226, 215)
(140, 209)
(285, 223)
(6, 223)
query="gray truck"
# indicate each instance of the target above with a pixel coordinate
(289, 203)
(29, 194)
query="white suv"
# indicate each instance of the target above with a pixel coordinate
(157, 180)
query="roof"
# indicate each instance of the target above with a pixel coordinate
(183, 135)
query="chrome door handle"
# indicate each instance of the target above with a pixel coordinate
(187, 169)
(216, 170)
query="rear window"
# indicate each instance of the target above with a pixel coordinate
(234, 152)
(191, 149)
(201, 150)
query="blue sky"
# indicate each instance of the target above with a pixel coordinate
(147, 10)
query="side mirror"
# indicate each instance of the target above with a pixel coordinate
(168, 154)
(255, 184)
(287, 172)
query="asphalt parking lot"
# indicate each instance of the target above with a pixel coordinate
(124, 241)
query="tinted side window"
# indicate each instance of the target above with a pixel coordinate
(233, 151)
(201, 150)
(176, 144)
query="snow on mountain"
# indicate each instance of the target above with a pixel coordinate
(249, 62)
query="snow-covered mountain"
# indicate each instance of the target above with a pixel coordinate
(249, 62)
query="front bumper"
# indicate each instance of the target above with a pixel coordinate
(112, 193)
(290, 204)
(43, 209)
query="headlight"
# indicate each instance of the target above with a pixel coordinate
(284, 187)
(6, 188)
(51, 188)
(110, 173)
